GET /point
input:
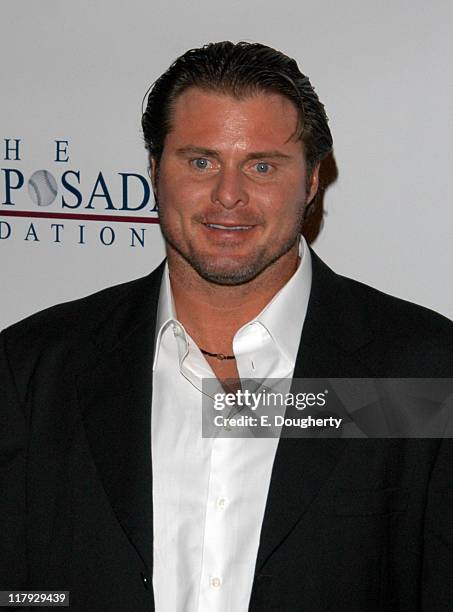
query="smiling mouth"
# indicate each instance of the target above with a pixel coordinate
(233, 228)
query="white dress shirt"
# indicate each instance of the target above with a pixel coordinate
(209, 494)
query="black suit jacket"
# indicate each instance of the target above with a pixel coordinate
(349, 525)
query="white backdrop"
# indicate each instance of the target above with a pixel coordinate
(77, 72)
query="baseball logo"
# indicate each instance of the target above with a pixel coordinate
(42, 187)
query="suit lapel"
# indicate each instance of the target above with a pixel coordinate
(114, 397)
(334, 330)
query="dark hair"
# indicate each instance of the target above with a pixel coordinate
(239, 70)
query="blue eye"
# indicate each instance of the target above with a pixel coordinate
(201, 163)
(262, 167)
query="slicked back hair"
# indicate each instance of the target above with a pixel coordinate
(238, 69)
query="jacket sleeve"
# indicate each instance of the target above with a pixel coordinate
(13, 563)
(437, 580)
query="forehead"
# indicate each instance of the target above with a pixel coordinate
(207, 118)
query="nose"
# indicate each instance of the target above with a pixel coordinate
(229, 189)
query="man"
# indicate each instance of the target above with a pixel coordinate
(111, 492)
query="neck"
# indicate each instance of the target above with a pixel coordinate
(213, 313)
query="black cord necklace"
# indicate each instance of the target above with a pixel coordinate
(219, 356)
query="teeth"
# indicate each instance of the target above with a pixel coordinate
(224, 227)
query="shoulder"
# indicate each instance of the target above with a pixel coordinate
(67, 332)
(80, 316)
(407, 337)
(402, 317)
(391, 336)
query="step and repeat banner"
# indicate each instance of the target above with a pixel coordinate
(76, 208)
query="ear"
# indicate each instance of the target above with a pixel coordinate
(153, 173)
(313, 185)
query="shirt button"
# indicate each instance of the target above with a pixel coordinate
(144, 580)
(215, 583)
(176, 330)
(221, 502)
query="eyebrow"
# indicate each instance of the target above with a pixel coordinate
(191, 149)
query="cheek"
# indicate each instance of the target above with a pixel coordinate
(182, 191)
(284, 197)
(296, 190)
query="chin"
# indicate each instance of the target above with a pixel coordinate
(234, 273)
(232, 269)
(230, 279)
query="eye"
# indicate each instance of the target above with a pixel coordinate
(201, 163)
(262, 167)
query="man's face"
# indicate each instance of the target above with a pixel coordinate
(231, 185)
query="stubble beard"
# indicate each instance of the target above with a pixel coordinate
(245, 271)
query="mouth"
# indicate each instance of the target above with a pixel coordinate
(228, 228)
(227, 233)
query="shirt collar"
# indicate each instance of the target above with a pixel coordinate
(283, 317)
(166, 313)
